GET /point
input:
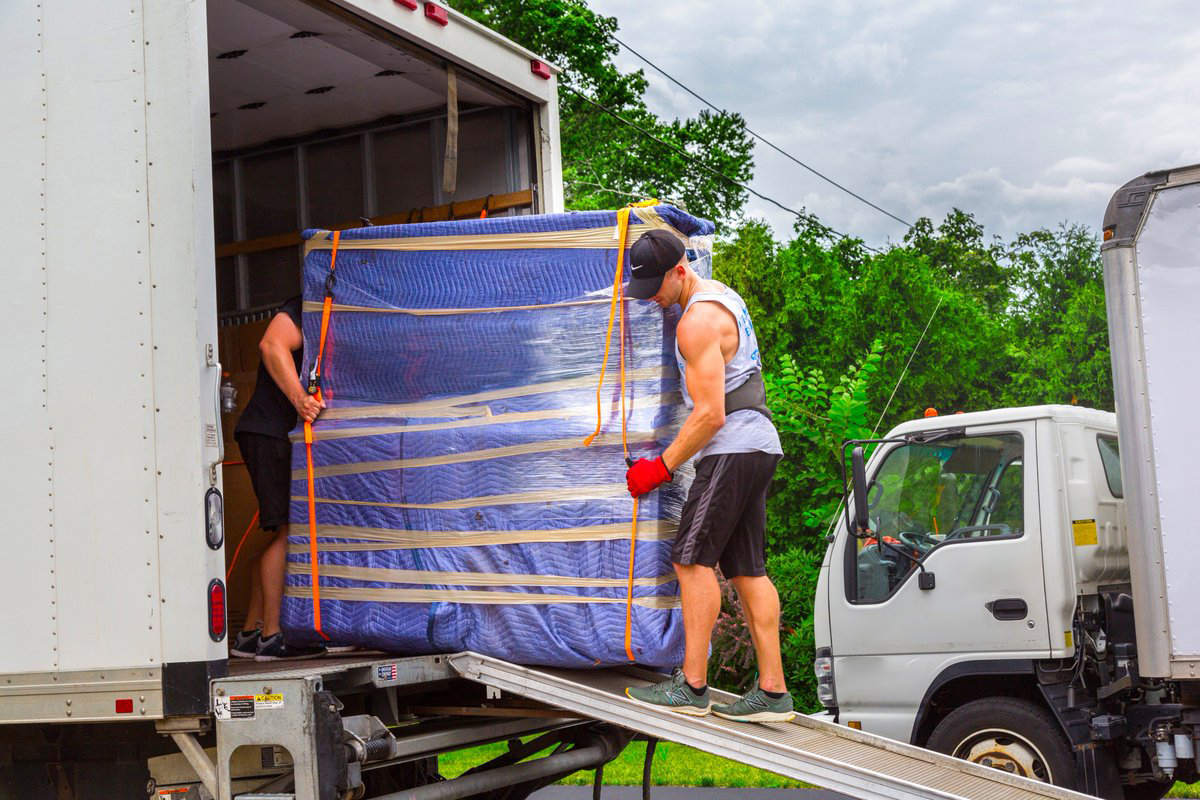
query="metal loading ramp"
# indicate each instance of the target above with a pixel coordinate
(832, 756)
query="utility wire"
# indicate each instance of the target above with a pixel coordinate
(700, 162)
(764, 140)
(904, 371)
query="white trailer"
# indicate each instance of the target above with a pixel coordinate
(1033, 573)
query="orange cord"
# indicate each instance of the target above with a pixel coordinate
(618, 299)
(313, 565)
(238, 549)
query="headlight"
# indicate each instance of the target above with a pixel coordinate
(214, 519)
(823, 669)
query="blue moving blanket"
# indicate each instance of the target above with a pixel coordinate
(456, 506)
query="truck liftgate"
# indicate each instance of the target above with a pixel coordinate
(327, 714)
(821, 753)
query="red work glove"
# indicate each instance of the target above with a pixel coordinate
(646, 476)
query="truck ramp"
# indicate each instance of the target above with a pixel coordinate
(856, 763)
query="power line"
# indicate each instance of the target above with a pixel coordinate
(699, 162)
(764, 140)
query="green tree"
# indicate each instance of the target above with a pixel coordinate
(605, 162)
(1059, 345)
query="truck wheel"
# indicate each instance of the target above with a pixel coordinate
(1010, 735)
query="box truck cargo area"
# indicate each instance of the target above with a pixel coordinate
(324, 119)
(162, 160)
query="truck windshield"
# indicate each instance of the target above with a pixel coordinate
(925, 495)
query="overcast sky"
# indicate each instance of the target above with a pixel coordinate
(1023, 113)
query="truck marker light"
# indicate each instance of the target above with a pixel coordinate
(216, 610)
(214, 519)
(124, 705)
(539, 68)
(437, 14)
(411, 5)
(1109, 232)
(931, 412)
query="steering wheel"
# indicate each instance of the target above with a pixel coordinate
(918, 540)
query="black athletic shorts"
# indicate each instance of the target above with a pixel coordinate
(269, 462)
(725, 515)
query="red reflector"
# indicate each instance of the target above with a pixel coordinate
(216, 610)
(124, 705)
(411, 5)
(539, 68)
(436, 13)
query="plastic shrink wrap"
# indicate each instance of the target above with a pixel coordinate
(456, 505)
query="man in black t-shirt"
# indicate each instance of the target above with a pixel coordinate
(262, 436)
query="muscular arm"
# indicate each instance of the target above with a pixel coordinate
(699, 337)
(276, 347)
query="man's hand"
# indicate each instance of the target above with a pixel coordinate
(646, 476)
(307, 406)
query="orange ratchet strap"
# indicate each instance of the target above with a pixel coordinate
(618, 300)
(314, 388)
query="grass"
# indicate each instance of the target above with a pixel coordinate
(674, 765)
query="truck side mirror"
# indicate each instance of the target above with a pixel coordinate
(858, 465)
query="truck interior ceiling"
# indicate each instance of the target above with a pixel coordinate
(322, 119)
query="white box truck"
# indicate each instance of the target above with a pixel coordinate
(1016, 587)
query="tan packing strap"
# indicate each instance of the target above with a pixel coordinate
(464, 457)
(424, 576)
(390, 539)
(467, 596)
(601, 492)
(582, 239)
(674, 398)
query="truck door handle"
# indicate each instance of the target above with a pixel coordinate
(1008, 608)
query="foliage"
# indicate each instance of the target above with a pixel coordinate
(606, 162)
(997, 325)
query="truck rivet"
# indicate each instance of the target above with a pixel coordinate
(143, 712)
(266, 690)
(68, 702)
(68, 712)
(220, 692)
(142, 698)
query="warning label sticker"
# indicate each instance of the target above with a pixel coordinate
(262, 701)
(210, 435)
(1085, 532)
(235, 706)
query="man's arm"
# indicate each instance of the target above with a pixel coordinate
(282, 339)
(699, 337)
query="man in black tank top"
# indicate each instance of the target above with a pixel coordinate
(262, 437)
(724, 518)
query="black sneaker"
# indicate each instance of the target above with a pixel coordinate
(275, 648)
(245, 645)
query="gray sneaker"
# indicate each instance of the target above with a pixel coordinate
(756, 706)
(673, 694)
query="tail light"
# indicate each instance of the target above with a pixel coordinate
(216, 610)
(823, 668)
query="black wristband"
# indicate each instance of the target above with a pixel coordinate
(670, 475)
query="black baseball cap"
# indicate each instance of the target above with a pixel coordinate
(650, 258)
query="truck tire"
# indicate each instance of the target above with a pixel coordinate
(1008, 734)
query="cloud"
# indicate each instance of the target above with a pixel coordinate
(1024, 114)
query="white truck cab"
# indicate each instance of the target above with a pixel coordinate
(990, 594)
(1011, 515)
